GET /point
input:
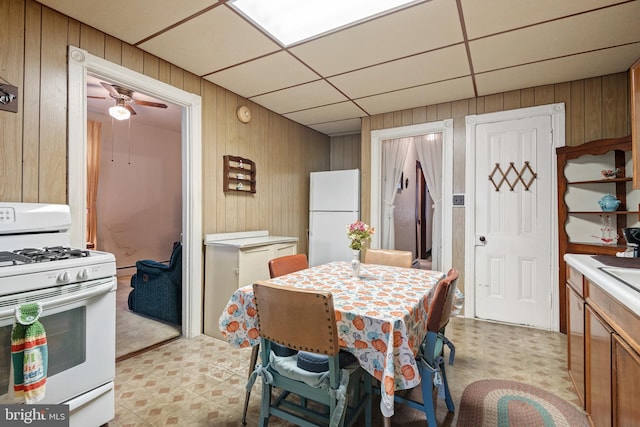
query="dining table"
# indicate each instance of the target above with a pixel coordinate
(381, 317)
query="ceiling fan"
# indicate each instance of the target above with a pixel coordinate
(123, 97)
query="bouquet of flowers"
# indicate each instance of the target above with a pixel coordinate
(359, 233)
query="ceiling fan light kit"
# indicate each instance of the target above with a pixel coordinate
(124, 98)
(119, 112)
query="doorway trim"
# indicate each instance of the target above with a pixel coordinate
(556, 114)
(80, 63)
(377, 137)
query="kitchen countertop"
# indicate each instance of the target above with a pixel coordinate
(589, 267)
(245, 239)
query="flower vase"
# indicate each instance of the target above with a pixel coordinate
(355, 264)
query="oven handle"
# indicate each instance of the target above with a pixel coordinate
(71, 297)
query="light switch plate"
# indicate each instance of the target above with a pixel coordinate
(458, 200)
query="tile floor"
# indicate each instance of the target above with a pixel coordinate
(200, 381)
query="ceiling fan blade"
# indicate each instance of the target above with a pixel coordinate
(131, 110)
(149, 104)
(96, 97)
(110, 89)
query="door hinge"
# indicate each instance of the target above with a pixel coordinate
(550, 300)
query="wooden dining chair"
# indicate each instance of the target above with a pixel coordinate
(304, 320)
(287, 264)
(389, 257)
(430, 358)
(277, 267)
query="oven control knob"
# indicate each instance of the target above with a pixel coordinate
(64, 277)
(83, 274)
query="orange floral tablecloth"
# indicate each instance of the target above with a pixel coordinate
(381, 317)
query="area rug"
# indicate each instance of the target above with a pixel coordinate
(510, 403)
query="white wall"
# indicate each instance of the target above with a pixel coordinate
(139, 193)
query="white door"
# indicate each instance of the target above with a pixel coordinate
(514, 221)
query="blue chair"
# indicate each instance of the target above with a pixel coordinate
(430, 358)
(157, 288)
(304, 320)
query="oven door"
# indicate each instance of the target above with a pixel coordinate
(79, 322)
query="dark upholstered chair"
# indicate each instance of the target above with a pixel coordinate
(157, 288)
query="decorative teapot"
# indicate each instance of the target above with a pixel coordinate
(608, 203)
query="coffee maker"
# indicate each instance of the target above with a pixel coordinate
(632, 236)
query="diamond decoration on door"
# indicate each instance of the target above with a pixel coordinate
(503, 176)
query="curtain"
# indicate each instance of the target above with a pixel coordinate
(394, 152)
(93, 174)
(429, 148)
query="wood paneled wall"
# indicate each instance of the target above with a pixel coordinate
(595, 108)
(345, 152)
(33, 148)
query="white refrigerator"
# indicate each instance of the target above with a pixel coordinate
(334, 204)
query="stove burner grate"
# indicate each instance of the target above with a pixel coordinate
(51, 253)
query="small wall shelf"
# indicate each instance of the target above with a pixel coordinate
(239, 174)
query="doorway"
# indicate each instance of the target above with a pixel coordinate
(423, 214)
(80, 63)
(445, 128)
(511, 235)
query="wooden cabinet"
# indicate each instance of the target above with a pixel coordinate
(635, 120)
(580, 186)
(575, 341)
(234, 260)
(626, 387)
(606, 375)
(598, 356)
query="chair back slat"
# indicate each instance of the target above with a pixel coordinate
(390, 257)
(297, 318)
(287, 264)
(442, 302)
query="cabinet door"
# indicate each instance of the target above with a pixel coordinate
(575, 340)
(253, 265)
(626, 385)
(598, 355)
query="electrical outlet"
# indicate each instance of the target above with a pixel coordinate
(458, 200)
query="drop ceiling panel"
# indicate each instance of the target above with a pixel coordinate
(214, 40)
(300, 97)
(328, 113)
(581, 33)
(340, 127)
(128, 20)
(417, 29)
(558, 70)
(430, 94)
(397, 61)
(487, 17)
(263, 75)
(416, 70)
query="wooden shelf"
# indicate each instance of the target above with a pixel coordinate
(239, 175)
(603, 213)
(619, 188)
(601, 181)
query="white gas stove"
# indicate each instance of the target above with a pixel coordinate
(76, 289)
(35, 252)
